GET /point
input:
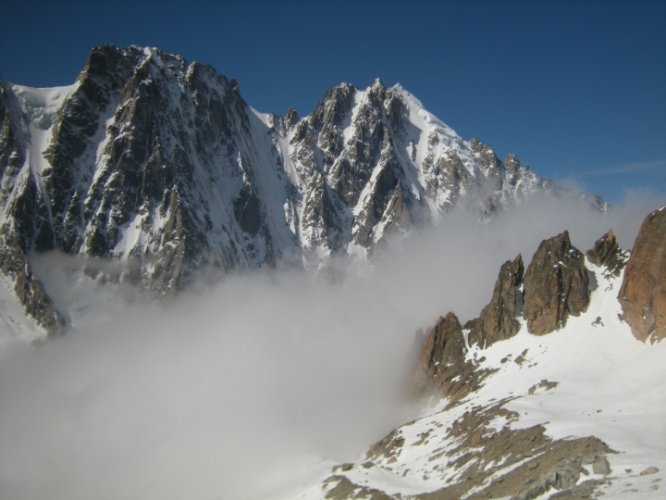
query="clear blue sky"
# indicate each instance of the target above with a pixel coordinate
(576, 88)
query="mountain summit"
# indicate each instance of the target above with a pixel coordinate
(161, 165)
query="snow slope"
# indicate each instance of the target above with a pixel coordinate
(40, 106)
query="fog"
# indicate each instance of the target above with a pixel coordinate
(241, 389)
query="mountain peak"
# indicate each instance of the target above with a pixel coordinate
(377, 84)
(161, 165)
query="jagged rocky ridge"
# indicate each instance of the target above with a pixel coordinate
(555, 285)
(470, 448)
(161, 164)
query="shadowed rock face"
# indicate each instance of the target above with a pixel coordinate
(29, 290)
(498, 319)
(442, 360)
(643, 292)
(556, 285)
(607, 253)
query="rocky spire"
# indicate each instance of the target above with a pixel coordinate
(556, 285)
(497, 320)
(643, 292)
(607, 253)
(442, 367)
(291, 118)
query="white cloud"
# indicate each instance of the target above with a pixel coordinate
(216, 393)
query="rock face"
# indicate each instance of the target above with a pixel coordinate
(607, 253)
(29, 290)
(556, 285)
(497, 320)
(161, 165)
(24, 211)
(441, 366)
(643, 291)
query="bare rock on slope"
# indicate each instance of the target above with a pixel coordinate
(513, 463)
(475, 459)
(497, 320)
(607, 253)
(643, 292)
(442, 366)
(556, 285)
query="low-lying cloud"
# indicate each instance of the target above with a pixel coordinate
(238, 390)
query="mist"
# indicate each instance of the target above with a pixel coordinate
(243, 389)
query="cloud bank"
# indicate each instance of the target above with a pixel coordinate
(240, 390)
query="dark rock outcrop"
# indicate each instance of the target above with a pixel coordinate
(643, 291)
(607, 253)
(556, 285)
(442, 367)
(497, 320)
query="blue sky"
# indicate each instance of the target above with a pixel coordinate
(576, 88)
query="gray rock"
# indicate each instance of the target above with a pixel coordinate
(601, 466)
(649, 470)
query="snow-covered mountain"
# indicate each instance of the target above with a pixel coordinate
(151, 171)
(162, 166)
